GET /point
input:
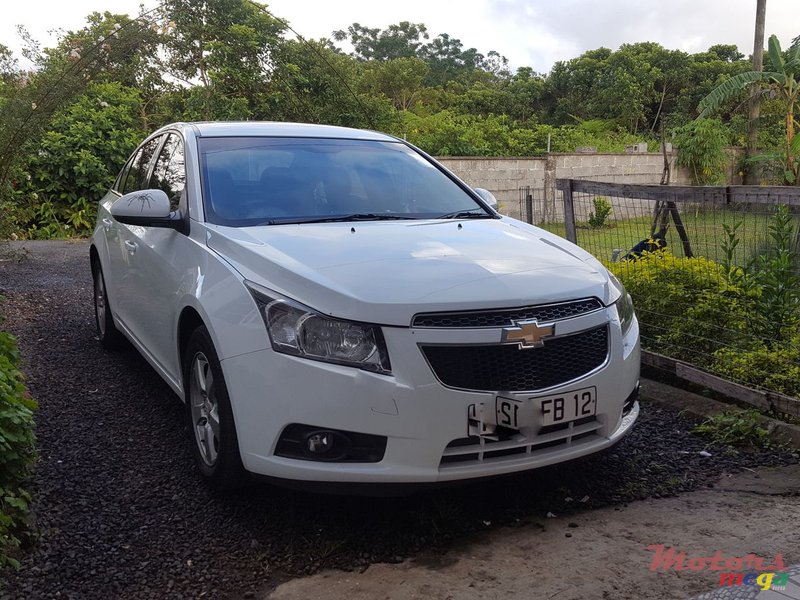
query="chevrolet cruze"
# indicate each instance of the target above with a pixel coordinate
(333, 305)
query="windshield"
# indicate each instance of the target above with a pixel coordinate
(270, 181)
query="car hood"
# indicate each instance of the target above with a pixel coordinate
(387, 271)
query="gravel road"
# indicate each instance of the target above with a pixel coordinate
(123, 513)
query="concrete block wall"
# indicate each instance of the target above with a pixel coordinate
(505, 176)
(501, 176)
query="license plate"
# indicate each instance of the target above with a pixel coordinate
(543, 410)
(563, 408)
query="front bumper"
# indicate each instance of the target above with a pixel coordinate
(418, 415)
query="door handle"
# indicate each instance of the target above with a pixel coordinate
(107, 223)
(132, 246)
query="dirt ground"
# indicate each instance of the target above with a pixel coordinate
(597, 554)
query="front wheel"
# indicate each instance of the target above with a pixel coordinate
(208, 409)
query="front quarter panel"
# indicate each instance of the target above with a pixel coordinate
(217, 292)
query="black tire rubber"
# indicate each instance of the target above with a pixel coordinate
(227, 473)
(110, 337)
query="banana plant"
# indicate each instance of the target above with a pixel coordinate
(783, 81)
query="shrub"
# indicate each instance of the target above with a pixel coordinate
(774, 270)
(686, 306)
(76, 161)
(716, 316)
(701, 148)
(739, 427)
(602, 208)
(776, 368)
(17, 451)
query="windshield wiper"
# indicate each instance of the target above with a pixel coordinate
(467, 214)
(339, 219)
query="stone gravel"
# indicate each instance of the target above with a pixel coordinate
(122, 511)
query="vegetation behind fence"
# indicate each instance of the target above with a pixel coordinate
(714, 273)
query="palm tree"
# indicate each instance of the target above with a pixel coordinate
(783, 80)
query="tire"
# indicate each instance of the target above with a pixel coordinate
(208, 411)
(108, 334)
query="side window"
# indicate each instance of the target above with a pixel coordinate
(169, 174)
(137, 174)
(120, 183)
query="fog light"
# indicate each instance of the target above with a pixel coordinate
(312, 442)
(319, 442)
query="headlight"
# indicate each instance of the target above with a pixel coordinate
(298, 330)
(625, 311)
(624, 304)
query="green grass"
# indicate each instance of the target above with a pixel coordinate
(704, 228)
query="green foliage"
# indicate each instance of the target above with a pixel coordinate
(736, 428)
(17, 452)
(223, 47)
(701, 149)
(109, 48)
(232, 59)
(773, 367)
(738, 318)
(78, 159)
(772, 275)
(602, 209)
(687, 307)
(775, 272)
(781, 78)
(399, 79)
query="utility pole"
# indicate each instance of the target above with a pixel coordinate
(751, 174)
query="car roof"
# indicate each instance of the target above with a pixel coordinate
(270, 128)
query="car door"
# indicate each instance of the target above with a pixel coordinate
(159, 262)
(121, 239)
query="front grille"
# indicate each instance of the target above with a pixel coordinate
(506, 317)
(510, 444)
(507, 367)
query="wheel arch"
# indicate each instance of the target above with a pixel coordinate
(188, 321)
(94, 256)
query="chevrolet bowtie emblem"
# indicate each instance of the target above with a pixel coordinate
(528, 334)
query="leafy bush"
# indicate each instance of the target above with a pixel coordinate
(602, 208)
(739, 428)
(775, 367)
(687, 308)
(738, 322)
(701, 149)
(77, 160)
(775, 271)
(17, 451)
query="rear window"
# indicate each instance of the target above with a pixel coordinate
(253, 181)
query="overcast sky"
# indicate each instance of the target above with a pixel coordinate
(533, 33)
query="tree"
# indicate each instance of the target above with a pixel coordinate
(701, 146)
(782, 79)
(399, 79)
(76, 161)
(402, 40)
(312, 82)
(222, 47)
(60, 75)
(727, 52)
(754, 109)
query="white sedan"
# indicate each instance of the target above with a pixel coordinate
(333, 305)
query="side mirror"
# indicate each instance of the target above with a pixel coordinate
(149, 208)
(487, 197)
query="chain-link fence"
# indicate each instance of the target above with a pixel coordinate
(714, 273)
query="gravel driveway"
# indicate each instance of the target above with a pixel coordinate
(123, 513)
